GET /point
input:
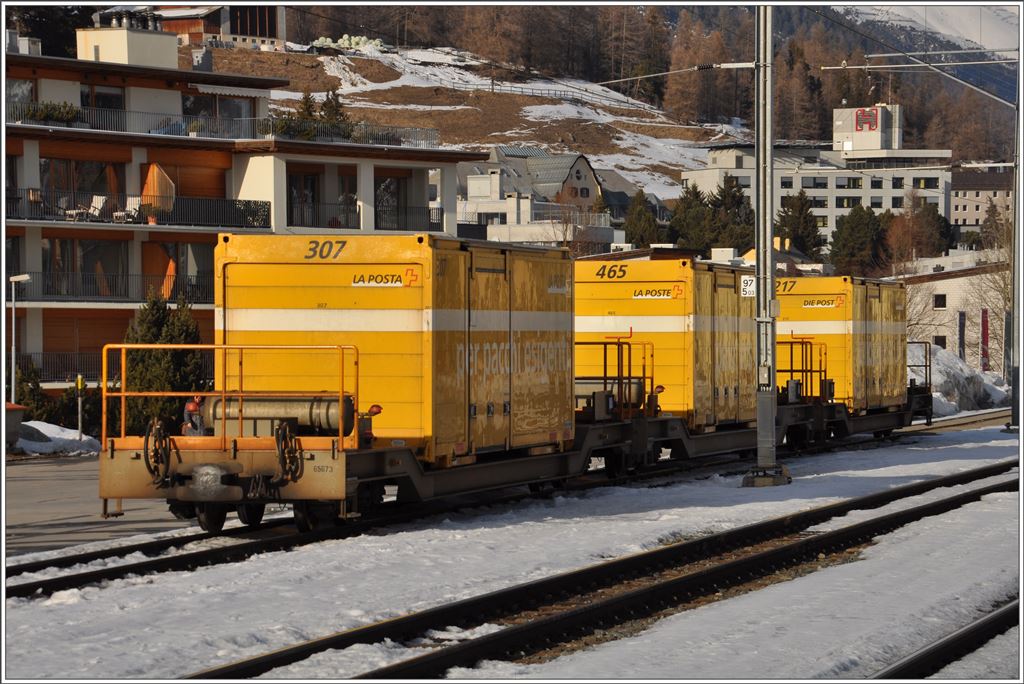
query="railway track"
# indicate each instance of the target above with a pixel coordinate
(584, 616)
(281, 540)
(937, 655)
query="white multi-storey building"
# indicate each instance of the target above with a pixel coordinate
(867, 165)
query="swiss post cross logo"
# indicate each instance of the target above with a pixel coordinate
(866, 118)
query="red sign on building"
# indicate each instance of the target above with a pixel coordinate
(866, 118)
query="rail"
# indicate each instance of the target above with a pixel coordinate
(408, 218)
(323, 215)
(223, 359)
(926, 366)
(630, 387)
(100, 286)
(105, 207)
(59, 115)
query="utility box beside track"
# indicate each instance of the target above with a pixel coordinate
(466, 346)
(699, 321)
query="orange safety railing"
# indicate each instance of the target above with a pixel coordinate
(123, 392)
(808, 363)
(621, 374)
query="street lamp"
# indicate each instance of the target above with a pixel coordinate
(15, 279)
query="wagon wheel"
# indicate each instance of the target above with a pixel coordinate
(156, 450)
(251, 514)
(211, 516)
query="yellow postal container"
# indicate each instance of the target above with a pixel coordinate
(861, 326)
(467, 347)
(696, 316)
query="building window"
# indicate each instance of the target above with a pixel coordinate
(876, 202)
(574, 192)
(939, 301)
(12, 254)
(786, 182)
(102, 97)
(584, 192)
(897, 183)
(685, 183)
(851, 183)
(60, 178)
(20, 90)
(818, 202)
(926, 183)
(72, 267)
(848, 202)
(977, 194)
(876, 183)
(939, 341)
(821, 221)
(217, 106)
(897, 202)
(815, 182)
(743, 181)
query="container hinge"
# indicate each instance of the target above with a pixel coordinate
(506, 408)
(472, 410)
(490, 408)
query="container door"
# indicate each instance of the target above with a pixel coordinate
(489, 350)
(703, 368)
(726, 347)
(542, 347)
(450, 330)
(874, 343)
(857, 395)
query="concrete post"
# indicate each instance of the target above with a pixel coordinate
(449, 199)
(365, 196)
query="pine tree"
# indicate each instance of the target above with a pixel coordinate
(599, 206)
(732, 217)
(161, 370)
(796, 222)
(858, 244)
(332, 113)
(307, 106)
(991, 228)
(640, 226)
(690, 225)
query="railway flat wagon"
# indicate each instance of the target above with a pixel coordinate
(346, 363)
(844, 339)
(694, 316)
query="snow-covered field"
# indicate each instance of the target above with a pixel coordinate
(175, 623)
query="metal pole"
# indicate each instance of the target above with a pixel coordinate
(14, 341)
(767, 472)
(1014, 338)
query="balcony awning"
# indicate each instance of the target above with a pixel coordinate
(230, 90)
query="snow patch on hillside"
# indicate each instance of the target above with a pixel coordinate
(995, 27)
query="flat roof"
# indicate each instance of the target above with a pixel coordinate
(83, 65)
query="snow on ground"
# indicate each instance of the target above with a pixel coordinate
(956, 386)
(57, 440)
(180, 622)
(847, 621)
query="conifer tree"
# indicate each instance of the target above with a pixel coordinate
(307, 106)
(690, 225)
(640, 226)
(858, 244)
(796, 222)
(161, 370)
(732, 217)
(332, 113)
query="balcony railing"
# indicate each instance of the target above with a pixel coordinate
(323, 215)
(545, 211)
(114, 287)
(186, 125)
(60, 205)
(408, 218)
(65, 366)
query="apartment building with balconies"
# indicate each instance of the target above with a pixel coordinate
(121, 169)
(866, 165)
